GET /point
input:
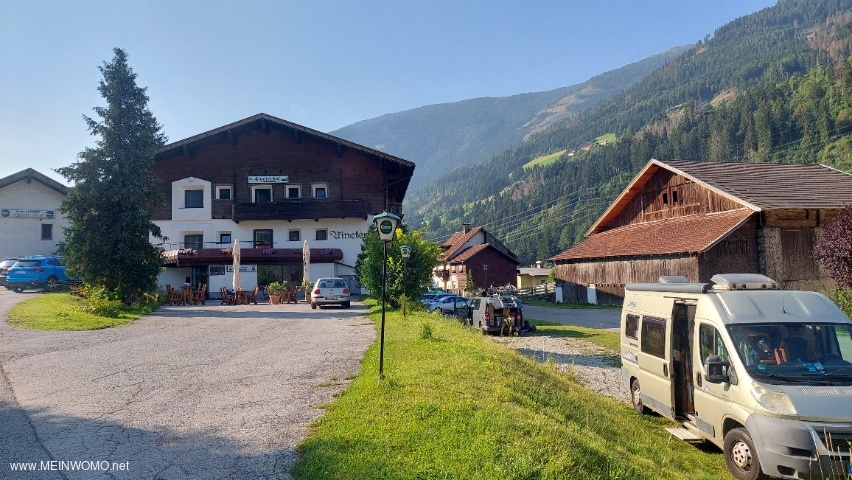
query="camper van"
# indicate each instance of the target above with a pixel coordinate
(763, 373)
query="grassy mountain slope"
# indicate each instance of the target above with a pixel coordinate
(442, 137)
(771, 86)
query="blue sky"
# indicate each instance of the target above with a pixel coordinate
(321, 64)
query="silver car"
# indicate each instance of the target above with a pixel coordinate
(330, 291)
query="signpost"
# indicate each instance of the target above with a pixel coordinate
(386, 225)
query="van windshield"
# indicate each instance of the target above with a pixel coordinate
(795, 353)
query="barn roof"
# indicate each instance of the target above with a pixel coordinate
(29, 174)
(757, 186)
(688, 234)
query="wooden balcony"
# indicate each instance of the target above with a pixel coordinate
(301, 209)
(262, 256)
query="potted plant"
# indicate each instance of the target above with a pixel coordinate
(276, 291)
(307, 286)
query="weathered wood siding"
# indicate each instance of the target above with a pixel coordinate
(737, 253)
(668, 195)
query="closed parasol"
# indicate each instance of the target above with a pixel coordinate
(237, 285)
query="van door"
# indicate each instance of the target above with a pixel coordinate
(712, 400)
(655, 364)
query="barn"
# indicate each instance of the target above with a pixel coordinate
(697, 219)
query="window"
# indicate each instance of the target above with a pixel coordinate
(294, 191)
(47, 231)
(193, 198)
(217, 270)
(320, 190)
(224, 192)
(262, 237)
(294, 235)
(674, 196)
(711, 343)
(193, 241)
(631, 326)
(261, 194)
(322, 234)
(225, 238)
(665, 199)
(654, 336)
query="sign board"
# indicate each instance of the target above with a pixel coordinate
(243, 268)
(268, 179)
(21, 213)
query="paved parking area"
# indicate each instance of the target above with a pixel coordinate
(606, 318)
(189, 392)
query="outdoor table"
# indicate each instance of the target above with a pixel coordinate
(242, 297)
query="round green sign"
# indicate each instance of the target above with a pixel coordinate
(386, 227)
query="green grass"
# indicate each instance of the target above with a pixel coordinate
(604, 338)
(454, 404)
(541, 303)
(62, 311)
(609, 138)
(544, 160)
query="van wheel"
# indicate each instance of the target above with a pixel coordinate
(741, 455)
(636, 397)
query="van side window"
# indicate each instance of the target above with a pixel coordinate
(711, 343)
(631, 326)
(654, 336)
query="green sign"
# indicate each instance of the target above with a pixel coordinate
(386, 227)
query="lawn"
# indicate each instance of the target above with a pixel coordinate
(63, 311)
(544, 160)
(454, 404)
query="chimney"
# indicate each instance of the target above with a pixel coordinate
(466, 227)
(538, 264)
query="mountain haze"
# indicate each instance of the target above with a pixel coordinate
(440, 138)
(773, 86)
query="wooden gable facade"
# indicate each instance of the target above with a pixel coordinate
(697, 219)
(359, 181)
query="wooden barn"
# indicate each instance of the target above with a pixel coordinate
(697, 219)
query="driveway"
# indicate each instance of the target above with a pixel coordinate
(607, 318)
(188, 392)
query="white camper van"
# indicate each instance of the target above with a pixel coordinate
(763, 373)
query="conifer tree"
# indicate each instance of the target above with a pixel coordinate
(108, 243)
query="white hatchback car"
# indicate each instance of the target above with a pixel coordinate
(330, 291)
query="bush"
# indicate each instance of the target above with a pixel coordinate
(100, 301)
(843, 300)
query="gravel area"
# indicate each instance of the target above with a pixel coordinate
(597, 367)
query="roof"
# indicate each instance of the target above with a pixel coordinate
(687, 234)
(454, 246)
(261, 118)
(534, 271)
(30, 174)
(758, 186)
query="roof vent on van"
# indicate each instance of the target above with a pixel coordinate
(743, 281)
(673, 279)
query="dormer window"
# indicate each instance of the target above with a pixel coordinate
(193, 198)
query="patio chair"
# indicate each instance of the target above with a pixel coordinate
(175, 296)
(198, 295)
(252, 297)
(290, 295)
(227, 298)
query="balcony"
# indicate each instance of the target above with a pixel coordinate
(302, 209)
(212, 256)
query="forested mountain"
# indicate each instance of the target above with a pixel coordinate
(439, 138)
(774, 86)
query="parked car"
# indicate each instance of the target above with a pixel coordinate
(5, 265)
(491, 315)
(448, 304)
(47, 272)
(330, 291)
(428, 298)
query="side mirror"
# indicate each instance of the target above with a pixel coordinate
(714, 368)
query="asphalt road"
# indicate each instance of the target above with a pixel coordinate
(608, 318)
(189, 392)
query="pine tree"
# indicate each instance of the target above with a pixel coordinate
(108, 243)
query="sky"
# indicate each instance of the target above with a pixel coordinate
(321, 64)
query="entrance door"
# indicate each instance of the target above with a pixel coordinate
(712, 400)
(654, 362)
(683, 320)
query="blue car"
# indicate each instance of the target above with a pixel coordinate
(45, 272)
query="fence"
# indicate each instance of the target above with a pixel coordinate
(545, 291)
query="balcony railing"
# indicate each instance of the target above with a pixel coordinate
(300, 210)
